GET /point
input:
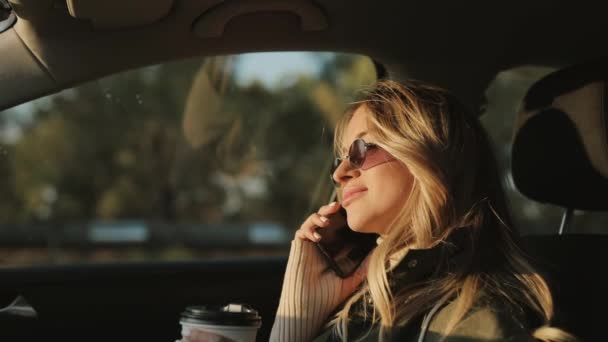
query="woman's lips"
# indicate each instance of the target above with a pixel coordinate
(351, 194)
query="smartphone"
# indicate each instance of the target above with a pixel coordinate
(342, 248)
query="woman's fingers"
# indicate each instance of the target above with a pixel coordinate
(329, 209)
(308, 229)
(320, 219)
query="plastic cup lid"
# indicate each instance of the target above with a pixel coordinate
(231, 314)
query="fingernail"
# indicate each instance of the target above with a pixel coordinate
(316, 235)
(324, 219)
(332, 204)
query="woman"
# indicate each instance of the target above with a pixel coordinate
(428, 185)
(417, 170)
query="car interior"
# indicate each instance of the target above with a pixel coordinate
(557, 151)
(559, 157)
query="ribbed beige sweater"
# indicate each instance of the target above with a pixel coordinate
(310, 293)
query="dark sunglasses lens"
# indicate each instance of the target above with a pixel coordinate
(356, 153)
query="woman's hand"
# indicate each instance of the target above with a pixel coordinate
(320, 220)
(310, 293)
(205, 336)
(326, 218)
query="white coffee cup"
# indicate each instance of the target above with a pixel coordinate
(237, 322)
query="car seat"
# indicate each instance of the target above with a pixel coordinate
(560, 157)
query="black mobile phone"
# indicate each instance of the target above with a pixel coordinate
(342, 248)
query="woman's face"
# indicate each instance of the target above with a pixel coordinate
(372, 197)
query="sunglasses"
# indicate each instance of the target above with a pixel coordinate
(362, 155)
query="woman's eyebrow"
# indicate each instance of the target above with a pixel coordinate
(361, 134)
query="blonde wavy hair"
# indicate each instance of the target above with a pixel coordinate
(456, 184)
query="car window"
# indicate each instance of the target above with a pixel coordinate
(504, 96)
(200, 158)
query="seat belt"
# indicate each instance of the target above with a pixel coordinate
(426, 322)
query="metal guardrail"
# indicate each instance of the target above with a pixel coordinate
(144, 234)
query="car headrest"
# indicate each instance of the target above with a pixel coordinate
(560, 146)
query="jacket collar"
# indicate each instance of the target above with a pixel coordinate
(420, 264)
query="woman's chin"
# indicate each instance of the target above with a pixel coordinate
(353, 224)
(357, 226)
(355, 229)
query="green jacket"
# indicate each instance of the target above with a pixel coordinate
(491, 321)
(482, 324)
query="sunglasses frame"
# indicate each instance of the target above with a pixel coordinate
(338, 161)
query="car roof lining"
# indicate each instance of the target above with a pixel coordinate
(119, 14)
(461, 48)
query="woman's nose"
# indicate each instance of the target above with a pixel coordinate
(344, 172)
